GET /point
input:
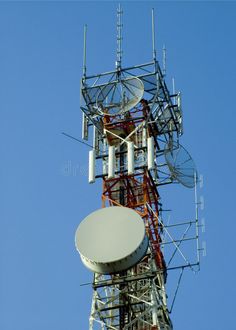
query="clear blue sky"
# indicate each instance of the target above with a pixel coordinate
(44, 191)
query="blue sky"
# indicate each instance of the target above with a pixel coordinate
(44, 190)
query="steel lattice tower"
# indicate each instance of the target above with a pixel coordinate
(136, 126)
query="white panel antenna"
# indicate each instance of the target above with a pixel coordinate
(111, 162)
(144, 137)
(84, 127)
(92, 166)
(130, 156)
(150, 153)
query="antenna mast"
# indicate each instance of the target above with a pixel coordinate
(85, 51)
(164, 60)
(153, 36)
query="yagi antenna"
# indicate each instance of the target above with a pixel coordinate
(119, 51)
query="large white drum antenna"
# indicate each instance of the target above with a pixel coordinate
(111, 240)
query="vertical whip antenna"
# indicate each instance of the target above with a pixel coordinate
(173, 85)
(153, 37)
(85, 50)
(164, 60)
(119, 37)
(174, 91)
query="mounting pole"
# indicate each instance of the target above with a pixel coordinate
(196, 218)
(85, 46)
(153, 36)
(119, 38)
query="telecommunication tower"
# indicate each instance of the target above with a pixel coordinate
(136, 124)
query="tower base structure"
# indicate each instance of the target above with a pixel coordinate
(133, 300)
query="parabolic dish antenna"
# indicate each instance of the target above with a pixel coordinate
(120, 96)
(111, 240)
(181, 164)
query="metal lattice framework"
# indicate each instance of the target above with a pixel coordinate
(131, 105)
(136, 298)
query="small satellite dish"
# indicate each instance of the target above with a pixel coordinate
(118, 97)
(181, 164)
(111, 240)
